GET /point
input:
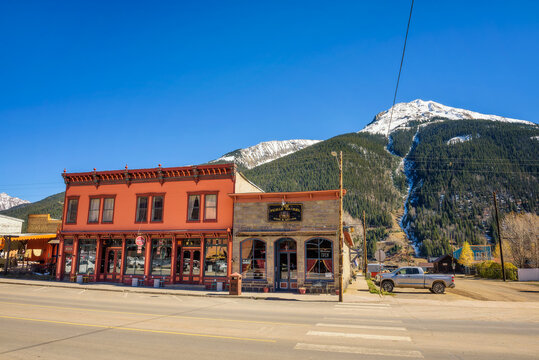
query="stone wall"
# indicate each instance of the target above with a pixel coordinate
(42, 223)
(319, 219)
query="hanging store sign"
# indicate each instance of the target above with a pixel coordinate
(140, 241)
(284, 212)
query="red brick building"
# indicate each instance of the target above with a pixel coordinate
(172, 224)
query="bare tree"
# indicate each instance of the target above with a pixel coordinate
(521, 234)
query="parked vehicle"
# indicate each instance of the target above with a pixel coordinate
(414, 277)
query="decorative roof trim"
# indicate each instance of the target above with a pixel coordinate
(159, 174)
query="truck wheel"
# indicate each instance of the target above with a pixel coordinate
(387, 286)
(438, 288)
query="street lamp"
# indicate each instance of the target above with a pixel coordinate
(339, 161)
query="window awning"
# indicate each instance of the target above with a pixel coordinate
(31, 237)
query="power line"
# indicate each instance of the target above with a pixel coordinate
(400, 68)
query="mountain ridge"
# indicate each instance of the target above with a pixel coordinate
(421, 112)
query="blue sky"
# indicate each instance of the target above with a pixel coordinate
(103, 84)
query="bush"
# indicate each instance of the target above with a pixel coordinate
(493, 270)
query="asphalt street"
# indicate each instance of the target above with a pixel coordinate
(38, 322)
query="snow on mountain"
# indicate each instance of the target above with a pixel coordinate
(459, 139)
(264, 152)
(7, 202)
(423, 112)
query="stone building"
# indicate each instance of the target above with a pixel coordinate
(288, 241)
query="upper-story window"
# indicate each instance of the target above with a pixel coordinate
(210, 207)
(156, 201)
(157, 208)
(93, 212)
(108, 210)
(142, 209)
(72, 207)
(193, 208)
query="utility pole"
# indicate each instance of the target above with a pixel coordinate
(499, 233)
(340, 231)
(339, 161)
(364, 247)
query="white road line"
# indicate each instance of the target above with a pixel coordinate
(175, 297)
(362, 319)
(360, 336)
(40, 288)
(363, 304)
(373, 327)
(358, 350)
(81, 292)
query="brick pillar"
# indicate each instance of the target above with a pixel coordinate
(75, 256)
(148, 260)
(98, 256)
(60, 259)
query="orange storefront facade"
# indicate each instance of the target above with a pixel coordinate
(170, 224)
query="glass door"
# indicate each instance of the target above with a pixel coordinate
(189, 266)
(114, 264)
(287, 270)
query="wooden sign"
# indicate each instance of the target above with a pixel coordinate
(284, 212)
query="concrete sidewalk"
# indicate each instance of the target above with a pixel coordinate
(352, 292)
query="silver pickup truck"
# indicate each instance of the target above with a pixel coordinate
(414, 277)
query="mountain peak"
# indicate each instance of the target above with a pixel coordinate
(7, 202)
(264, 152)
(421, 111)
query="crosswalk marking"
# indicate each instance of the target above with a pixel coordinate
(372, 327)
(360, 336)
(363, 304)
(358, 350)
(354, 318)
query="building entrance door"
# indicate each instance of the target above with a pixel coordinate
(286, 265)
(113, 264)
(189, 265)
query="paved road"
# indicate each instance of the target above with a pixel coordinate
(62, 323)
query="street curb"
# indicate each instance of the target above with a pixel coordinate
(161, 292)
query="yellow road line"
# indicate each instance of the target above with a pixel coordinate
(138, 329)
(150, 314)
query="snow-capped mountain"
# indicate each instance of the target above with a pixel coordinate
(425, 111)
(7, 202)
(264, 152)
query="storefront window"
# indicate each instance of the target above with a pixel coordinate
(319, 259)
(215, 263)
(134, 261)
(253, 259)
(87, 257)
(161, 257)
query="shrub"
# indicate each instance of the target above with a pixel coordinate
(493, 270)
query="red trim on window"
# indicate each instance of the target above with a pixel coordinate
(90, 208)
(216, 206)
(68, 198)
(136, 208)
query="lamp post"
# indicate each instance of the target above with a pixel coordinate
(339, 160)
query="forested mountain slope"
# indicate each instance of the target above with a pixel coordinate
(454, 167)
(369, 176)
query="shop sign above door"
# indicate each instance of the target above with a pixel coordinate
(284, 212)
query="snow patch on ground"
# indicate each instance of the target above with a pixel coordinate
(459, 139)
